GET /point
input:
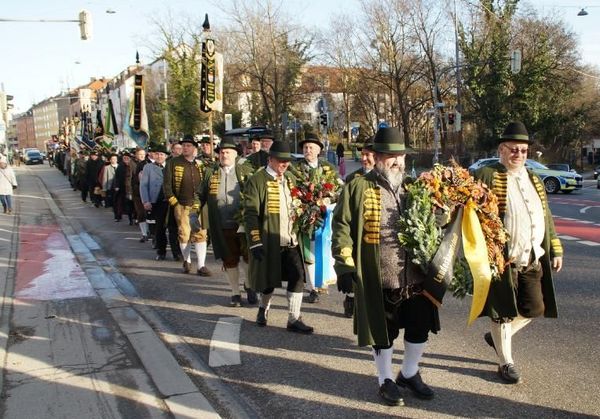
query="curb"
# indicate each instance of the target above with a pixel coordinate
(180, 395)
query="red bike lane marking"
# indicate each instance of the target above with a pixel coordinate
(582, 231)
(46, 266)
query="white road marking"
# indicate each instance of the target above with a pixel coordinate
(225, 342)
(567, 237)
(583, 210)
(589, 243)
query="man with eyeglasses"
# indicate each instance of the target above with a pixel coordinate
(526, 289)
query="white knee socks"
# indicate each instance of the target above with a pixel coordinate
(143, 228)
(502, 336)
(518, 323)
(186, 251)
(310, 276)
(294, 305)
(412, 355)
(265, 301)
(233, 276)
(201, 253)
(383, 362)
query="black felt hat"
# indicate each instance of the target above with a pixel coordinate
(515, 131)
(160, 148)
(389, 141)
(281, 151)
(227, 144)
(188, 138)
(313, 140)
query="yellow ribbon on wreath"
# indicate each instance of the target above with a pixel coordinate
(475, 251)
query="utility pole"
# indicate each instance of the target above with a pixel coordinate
(166, 101)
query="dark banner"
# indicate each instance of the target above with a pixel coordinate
(137, 102)
(441, 267)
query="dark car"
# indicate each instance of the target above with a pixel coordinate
(596, 172)
(34, 157)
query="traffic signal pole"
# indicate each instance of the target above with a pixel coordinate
(85, 23)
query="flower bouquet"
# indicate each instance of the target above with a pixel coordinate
(445, 208)
(314, 191)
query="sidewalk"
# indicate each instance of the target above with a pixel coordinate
(71, 345)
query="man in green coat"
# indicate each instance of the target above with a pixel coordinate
(310, 168)
(526, 289)
(222, 193)
(272, 237)
(369, 260)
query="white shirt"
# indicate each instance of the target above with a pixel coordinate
(524, 219)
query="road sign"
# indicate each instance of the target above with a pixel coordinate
(228, 122)
(382, 124)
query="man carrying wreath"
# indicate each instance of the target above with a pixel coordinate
(526, 289)
(370, 260)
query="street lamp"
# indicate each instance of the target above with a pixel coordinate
(582, 12)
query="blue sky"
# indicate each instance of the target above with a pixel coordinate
(41, 59)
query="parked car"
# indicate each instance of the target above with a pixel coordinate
(596, 172)
(34, 157)
(554, 180)
(27, 150)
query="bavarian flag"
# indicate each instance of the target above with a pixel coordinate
(135, 124)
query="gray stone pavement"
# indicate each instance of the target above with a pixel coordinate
(71, 345)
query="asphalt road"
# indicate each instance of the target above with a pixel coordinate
(285, 375)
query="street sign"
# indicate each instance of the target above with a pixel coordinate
(228, 122)
(354, 132)
(382, 124)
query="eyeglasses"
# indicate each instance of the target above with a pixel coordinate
(517, 150)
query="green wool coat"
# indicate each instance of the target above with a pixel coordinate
(208, 195)
(502, 301)
(261, 221)
(355, 248)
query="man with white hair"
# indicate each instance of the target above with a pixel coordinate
(369, 260)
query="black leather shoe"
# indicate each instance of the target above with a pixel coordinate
(313, 297)
(236, 301)
(490, 341)
(416, 385)
(299, 327)
(203, 271)
(390, 393)
(509, 374)
(187, 267)
(143, 239)
(251, 296)
(160, 257)
(349, 306)
(261, 317)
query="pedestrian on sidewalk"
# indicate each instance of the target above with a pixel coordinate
(183, 176)
(525, 290)
(370, 261)
(272, 238)
(8, 182)
(221, 192)
(108, 177)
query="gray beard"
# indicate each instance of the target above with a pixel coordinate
(394, 178)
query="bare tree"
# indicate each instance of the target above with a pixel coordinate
(265, 54)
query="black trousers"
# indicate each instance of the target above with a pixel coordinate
(530, 299)
(159, 213)
(292, 270)
(416, 315)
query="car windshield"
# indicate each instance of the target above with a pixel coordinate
(535, 165)
(34, 154)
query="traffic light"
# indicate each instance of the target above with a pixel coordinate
(451, 118)
(324, 119)
(85, 25)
